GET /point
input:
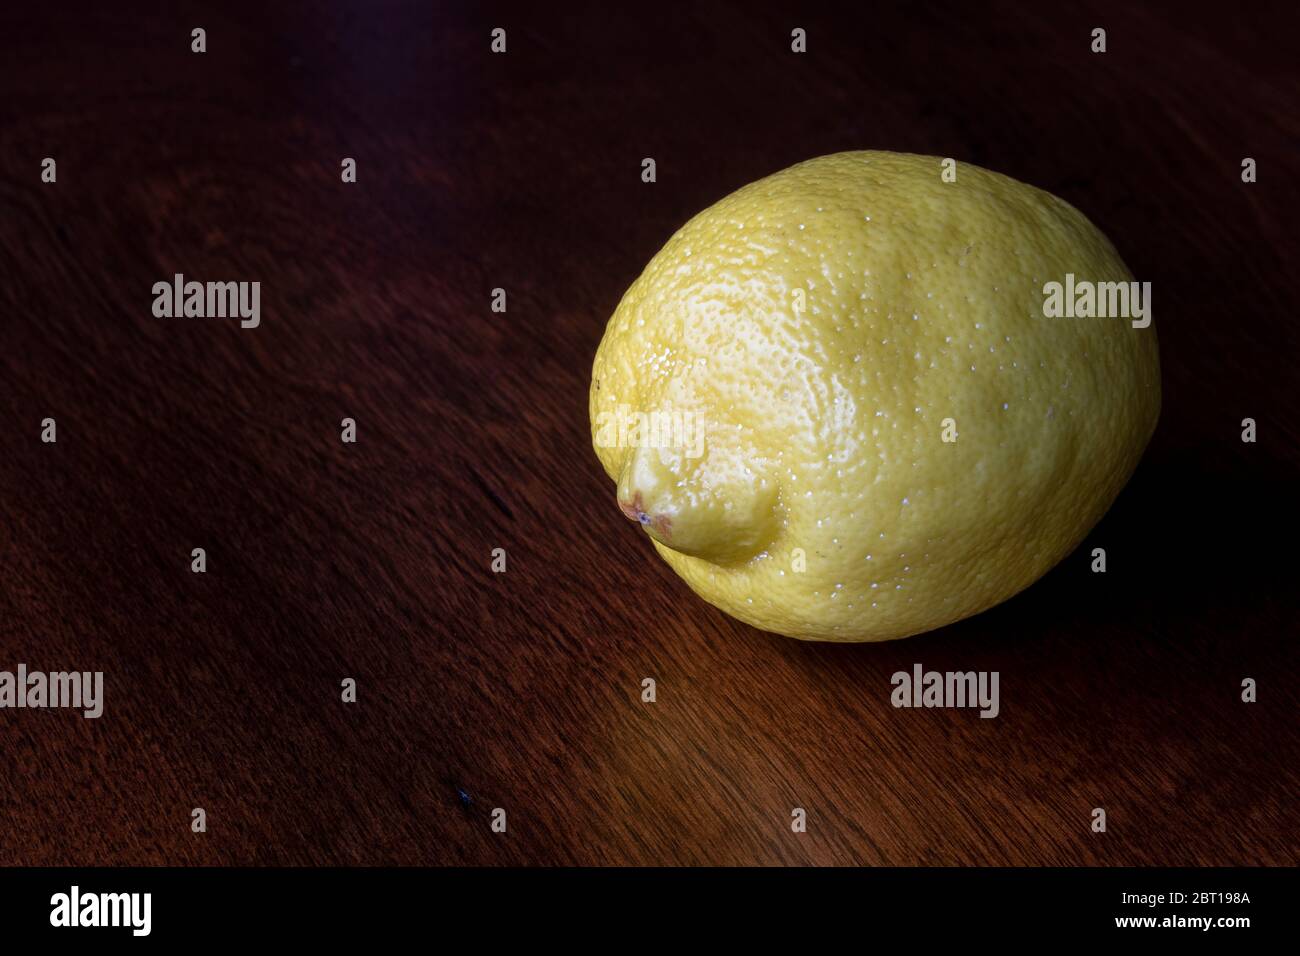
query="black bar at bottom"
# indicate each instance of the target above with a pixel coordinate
(467, 908)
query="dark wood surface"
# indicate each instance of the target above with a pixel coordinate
(371, 561)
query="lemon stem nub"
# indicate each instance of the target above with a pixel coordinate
(661, 525)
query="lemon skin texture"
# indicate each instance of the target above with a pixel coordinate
(895, 435)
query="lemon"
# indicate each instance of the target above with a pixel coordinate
(838, 403)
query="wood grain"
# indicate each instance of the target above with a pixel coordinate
(372, 560)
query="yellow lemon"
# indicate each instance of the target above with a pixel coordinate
(875, 393)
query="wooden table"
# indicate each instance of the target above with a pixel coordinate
(371, 561)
